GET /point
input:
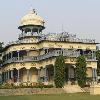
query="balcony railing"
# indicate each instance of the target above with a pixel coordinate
(22, 35)
(54, 37)
(44, 56)
(65, 53)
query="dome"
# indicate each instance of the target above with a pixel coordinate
(32, 19)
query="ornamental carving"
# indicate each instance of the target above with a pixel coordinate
(33, 64)
(60, 46)
(72, 59)
(22, 64)
(33, 48)
(51, 45)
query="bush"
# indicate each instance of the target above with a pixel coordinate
(41, 85)
(6, 86)
(21, 85)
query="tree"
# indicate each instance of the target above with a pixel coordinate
(59, 72)
(81, 70)
(1, 48)
(98, 62)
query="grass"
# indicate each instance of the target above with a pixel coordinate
(78, 96)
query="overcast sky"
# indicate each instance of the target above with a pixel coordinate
(81, 17)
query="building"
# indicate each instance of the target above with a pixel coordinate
(31, 58)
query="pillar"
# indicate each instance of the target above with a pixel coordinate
(94, 74)
(4, 77)
(45, 74)
(38, 30)
(18, 55)
(8, 75)
(18, 76)
(6, 57)
(27, 75)
(68, 73)
(11, 55)
(31, 31)
(38, 75)
(11, 73)
(92, 54)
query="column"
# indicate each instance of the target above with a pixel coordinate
(92, 54)
(11, 55)
(68, 73)
(45, 74)
(38, 30)
(27, 75)
(4, 76)
(18, 75)
(18, 55)
(31, 31)
(38, 75)
(93, 74)
(11, 73)
(6, 57)
(8, 75)
(83, 51)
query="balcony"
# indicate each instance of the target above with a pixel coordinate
(55, 53)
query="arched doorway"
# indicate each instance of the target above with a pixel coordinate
(50, 73)
(23, 75)
(33, 75)
(69, 72)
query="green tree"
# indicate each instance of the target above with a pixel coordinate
(81, 70)
(59, 72)
(1, 48)
(98, 62)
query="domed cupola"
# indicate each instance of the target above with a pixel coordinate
(32, 19)
(32, 23)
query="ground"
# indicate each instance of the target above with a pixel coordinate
(79, 96)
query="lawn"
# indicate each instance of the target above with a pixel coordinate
(79, 96)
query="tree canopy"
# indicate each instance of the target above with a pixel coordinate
(59, 72)
(81, 70)
(98, 61)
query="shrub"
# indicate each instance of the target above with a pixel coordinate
(59, 70)
(81, 70)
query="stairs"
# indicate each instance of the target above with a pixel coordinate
(73, 89)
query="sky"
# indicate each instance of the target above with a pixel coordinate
(80, 17)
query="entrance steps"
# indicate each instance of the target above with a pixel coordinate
(73, 89)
